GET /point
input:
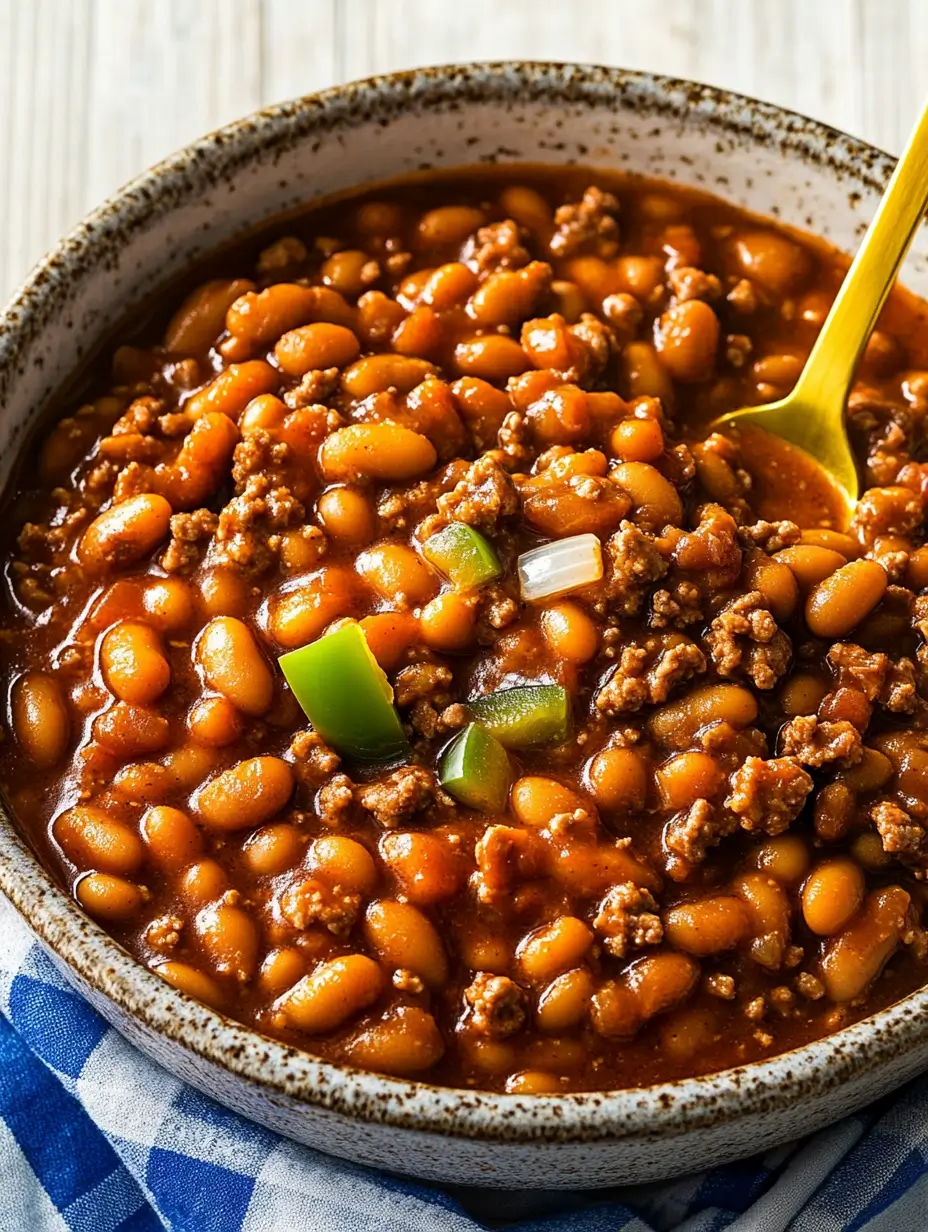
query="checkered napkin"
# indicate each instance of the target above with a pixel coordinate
(95, 1138)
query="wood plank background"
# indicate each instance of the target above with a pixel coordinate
(93, 91)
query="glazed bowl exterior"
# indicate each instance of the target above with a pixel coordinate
(772, 162)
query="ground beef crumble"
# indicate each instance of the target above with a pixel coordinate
(675, 665)
(189, 531)
(314, 387)
(627, 919)
(719, 985)
(678, 464)
(512, 439)
(640, 679)
(900, 833)
(632, 562)
(407, 981)
(259, 454)
(587, 225)
(288, 250)
(887, 511)
(496, 610)
(856, 667)
(712, 545)
(770, 536)
(598, 341)
(422, 680)
(399, 795)
(310, 901)
(876, 675)
(743, 297)
(401, 506)
(900, 693)
(679, 607)
(139, 417)
(690, 833)
(688, 282)
(241, 538)
(499, 245)
(744, 639)
(815, 742)
(164, 932)
(314, 760)
(732, 745)
(505, 855)
(497, 1005)
(334, 801)
(623, 312)
(425, 717)
(483, 497)
(768, 795)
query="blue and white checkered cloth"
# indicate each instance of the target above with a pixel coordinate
(95, 1138)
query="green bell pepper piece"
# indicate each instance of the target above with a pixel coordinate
(463, 555)
(346, 695)
(524, 716)
(475, 770)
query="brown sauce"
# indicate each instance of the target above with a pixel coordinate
(786, 482)
(641, 909)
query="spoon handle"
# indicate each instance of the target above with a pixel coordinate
(829, 370)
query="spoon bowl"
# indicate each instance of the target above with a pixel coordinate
(812, 417)
(799, 421)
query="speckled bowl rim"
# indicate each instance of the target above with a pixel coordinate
(649, 1112)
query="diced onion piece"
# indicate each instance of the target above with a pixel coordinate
(555, 568)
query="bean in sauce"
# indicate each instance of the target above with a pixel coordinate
(715, 852)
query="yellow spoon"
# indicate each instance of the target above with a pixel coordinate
(812, 416)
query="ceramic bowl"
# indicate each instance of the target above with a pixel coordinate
(761, 157)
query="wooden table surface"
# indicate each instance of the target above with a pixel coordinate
(93, 91)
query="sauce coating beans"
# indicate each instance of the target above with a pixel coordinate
(832, 894)
(841, 601)
(655, 801)
(133, 663)
(90, 838)
(233, 665)
(40, 718)
(376, 451)
(332, 993)
(405, 940)
(247, 794)
(125, 533)
(173, 840)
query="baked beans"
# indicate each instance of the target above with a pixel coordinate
(646, 804)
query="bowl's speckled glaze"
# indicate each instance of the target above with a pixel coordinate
(759, 156)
